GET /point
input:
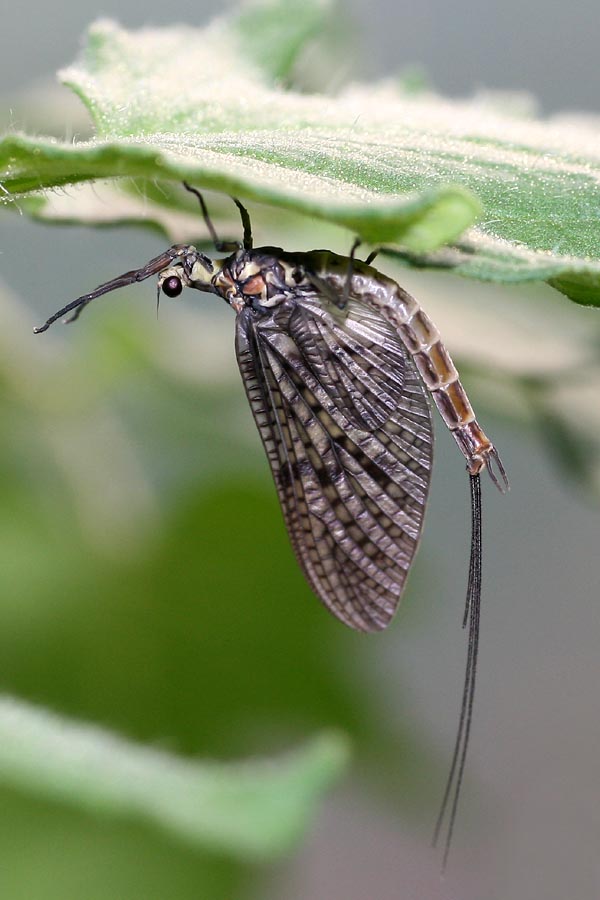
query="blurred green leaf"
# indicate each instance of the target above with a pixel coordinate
(254, 809)
(52, 851)
(147, 579)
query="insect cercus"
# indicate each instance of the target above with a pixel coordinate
(337, 361)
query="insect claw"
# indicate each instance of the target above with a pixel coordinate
(75, 315)
(502, 482)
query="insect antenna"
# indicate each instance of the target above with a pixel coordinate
(346, 295)
(224, 246)
(472, 618)
(77, 306)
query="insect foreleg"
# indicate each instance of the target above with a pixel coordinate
(224, 246)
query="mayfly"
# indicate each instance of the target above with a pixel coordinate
(337, 361)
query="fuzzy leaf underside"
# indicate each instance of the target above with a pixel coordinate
(420, 221)
(391, 167)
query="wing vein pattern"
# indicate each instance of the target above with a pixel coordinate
(346, 425)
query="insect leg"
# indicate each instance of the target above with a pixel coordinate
(221, 246)
(224, 246)
(368, 261)
(245, 223)
(75, 315)
(325, 289)
(76, 306)
(346, 295)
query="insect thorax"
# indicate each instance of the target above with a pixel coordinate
(260, 279)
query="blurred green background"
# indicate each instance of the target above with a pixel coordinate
(147, 584)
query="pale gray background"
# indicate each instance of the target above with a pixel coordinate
(548, 47)
(536, 747)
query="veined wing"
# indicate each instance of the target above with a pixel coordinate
(346, 424)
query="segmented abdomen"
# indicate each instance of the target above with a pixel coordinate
(422, 340)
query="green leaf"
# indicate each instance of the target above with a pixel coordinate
(283, 30)
(253, 809)
(208, 105)
(163, 108)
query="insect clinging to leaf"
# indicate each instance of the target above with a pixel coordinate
(338, 363)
